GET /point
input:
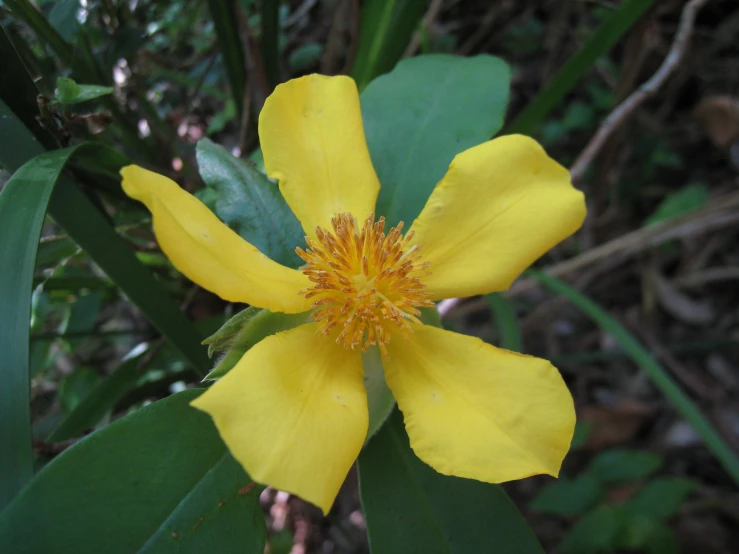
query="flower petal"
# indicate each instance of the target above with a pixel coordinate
(208, 252)
(293, 412)
(500, 206)
(476, 411)
(313, 142)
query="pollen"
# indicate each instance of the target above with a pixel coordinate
(365, 281)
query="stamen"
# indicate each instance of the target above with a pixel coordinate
(363, 283)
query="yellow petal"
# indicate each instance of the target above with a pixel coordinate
(500, 206)
(208, 252)
(293, 412)
(313, 142)
(476, 411)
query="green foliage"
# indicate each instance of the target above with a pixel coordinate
(305, 57)
(386, 27)
(69, 92)
(638, 524)
(506, 322)
(233, 344)
(581, 61)
(76, 386)
(616, 528)
(569, 497)
(23, 203)
(685, 200)
(618, 466)
(647, 363)
(422, 114)
(411, 508)
(660, 498)
(250, 204)
(157, 480)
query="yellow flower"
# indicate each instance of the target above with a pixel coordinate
(293, 411)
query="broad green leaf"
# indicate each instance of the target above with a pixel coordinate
(250, 204)
(423, 113)
(687, 199)
(411, 508)
(621, 465)
(662, 497)
(386, 28)
(23, 203)
(69, 92)
(158, 480)
(568, 497)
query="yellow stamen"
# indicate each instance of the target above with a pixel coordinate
(364, 280)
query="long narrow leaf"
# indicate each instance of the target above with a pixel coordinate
(602, 40)
(223, 13)
(270, 40)
(386, 28)
(23, 204)
(506, 322)
(647, 363)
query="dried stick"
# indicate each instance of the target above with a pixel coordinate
(628, 106)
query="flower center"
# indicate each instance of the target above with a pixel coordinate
(365, 280)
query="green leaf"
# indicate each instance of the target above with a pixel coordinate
(411, 508)
(621, 465)
(226, 334)
(89, 228)
(596, 532)
(82, 316)
(662, 497)
(250, 204)
(69, 92)
(229, 43)
(304, 57)
(568, 497)
(386, 28)
(423, 113)
(158, 480)
(99, 401)
(23, 203)
(627, 14)
(683, 201)
(63, 17)
(270, 38)
(76, 386)
(646, 362)
(380, 399)
(506, 322)
(257, 328)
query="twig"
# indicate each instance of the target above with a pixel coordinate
(628, 106)
(431, 14)
(721, 212)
